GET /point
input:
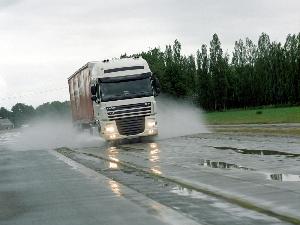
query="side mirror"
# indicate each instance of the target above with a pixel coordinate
(94, 98)
(94, 90)
(156, 85)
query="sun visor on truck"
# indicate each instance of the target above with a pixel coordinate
(124, 78)
(123, 69)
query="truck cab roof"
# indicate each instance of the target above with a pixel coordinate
(115, 67)
(118, 67)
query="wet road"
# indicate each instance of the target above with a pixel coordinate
(196, 179)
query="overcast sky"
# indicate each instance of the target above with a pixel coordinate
(44, 42)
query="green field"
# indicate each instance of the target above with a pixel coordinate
(266, 115)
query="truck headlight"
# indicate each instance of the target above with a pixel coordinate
(151, 123)
(109, 129)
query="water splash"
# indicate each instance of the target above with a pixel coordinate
(179, 118)
(50, 134)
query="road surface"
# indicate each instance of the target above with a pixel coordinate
(215, 178)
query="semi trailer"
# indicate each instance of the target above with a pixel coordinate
(117, 97)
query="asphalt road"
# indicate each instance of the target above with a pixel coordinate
(196, 179)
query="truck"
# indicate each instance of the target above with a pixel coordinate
(116, 98)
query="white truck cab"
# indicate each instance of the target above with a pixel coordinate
(123, 93)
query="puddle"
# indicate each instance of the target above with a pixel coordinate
(283, 177)
(270, 176)
(189, 193)
(223, 165)
(258, 152)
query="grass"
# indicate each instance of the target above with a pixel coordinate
(268, 131)
(259, 116)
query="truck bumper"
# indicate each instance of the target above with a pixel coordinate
(109, 130)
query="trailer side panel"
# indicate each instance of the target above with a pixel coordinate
(80, 97)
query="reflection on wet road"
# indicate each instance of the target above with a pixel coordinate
(113, 155)
(284, 177)
(222, 165)
(154, 152)
(115, 187)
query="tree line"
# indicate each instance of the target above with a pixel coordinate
(21, 113)
(255, 74)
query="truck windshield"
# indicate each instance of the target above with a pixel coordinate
(111, 91)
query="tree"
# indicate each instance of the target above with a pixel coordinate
(156, 61)
(203, 78)
(292, 53)
(262, 73)
(54, 109)
(218, 70)
(242, 79)
(4, 113)
(22, 114)
(189, 75)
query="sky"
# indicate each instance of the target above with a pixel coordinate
(42, 42)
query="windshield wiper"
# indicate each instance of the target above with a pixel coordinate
(142, 94)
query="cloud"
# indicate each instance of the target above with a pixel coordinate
(7, 3)
(48, 40)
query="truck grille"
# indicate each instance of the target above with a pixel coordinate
(131, 125)
(132, 110)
